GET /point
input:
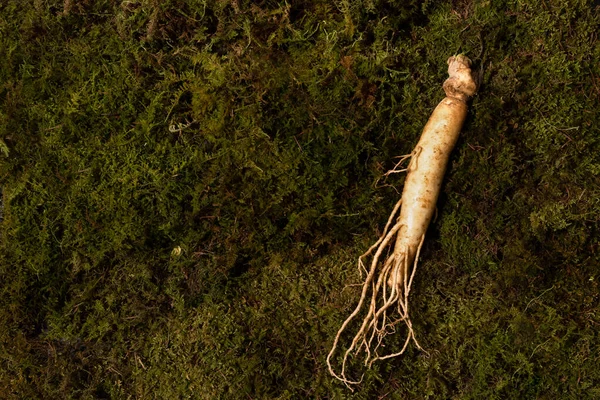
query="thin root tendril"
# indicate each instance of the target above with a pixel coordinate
(388, 284)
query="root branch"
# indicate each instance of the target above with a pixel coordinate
(388, 284)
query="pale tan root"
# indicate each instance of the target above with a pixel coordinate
(377, 324)
(388, 282)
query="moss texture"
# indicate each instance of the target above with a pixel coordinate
(186, 186)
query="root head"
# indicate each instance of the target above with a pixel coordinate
(460, 84)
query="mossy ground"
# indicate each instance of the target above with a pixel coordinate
(187, 185)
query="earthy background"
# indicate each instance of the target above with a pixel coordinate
(187, 185)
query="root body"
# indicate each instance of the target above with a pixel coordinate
(389, 278)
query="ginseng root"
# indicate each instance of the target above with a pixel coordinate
(390, 276)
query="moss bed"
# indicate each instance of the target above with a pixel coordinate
(186, 186)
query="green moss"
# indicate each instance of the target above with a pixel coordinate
(186, 187)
